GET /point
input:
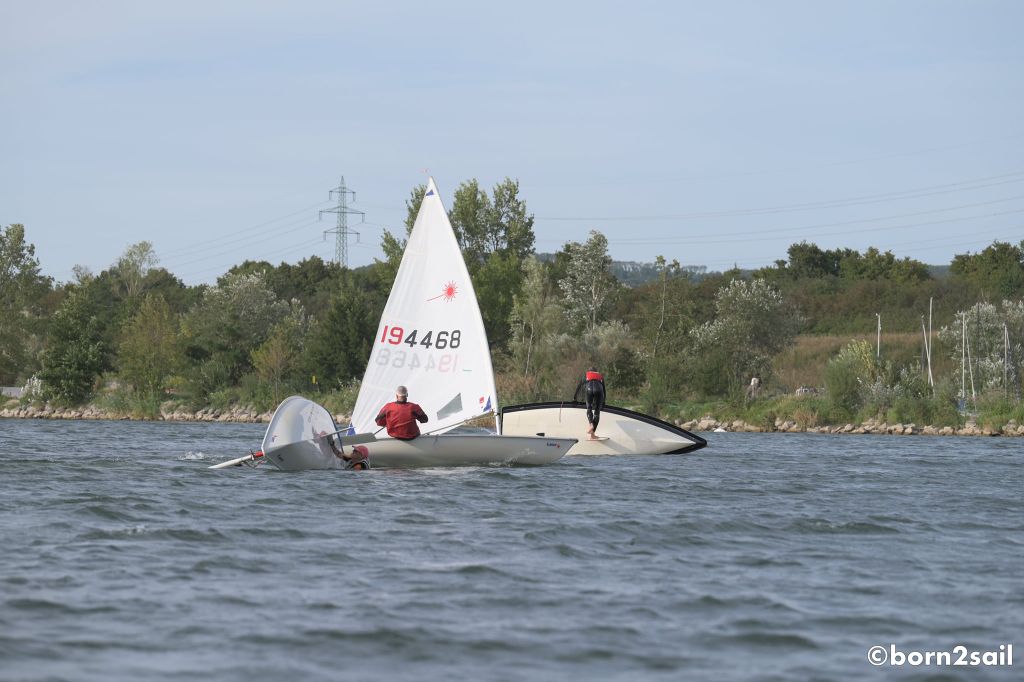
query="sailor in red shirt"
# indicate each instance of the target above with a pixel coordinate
(401, 416)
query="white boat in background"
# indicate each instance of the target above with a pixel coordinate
(431, 339)
(622, 431)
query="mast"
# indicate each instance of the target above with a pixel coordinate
(963, 358)
(931, 379)
(878, 347)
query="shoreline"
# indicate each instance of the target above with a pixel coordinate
(706, 424)
(871, 427)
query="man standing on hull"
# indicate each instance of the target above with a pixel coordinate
(400, 417)
(592, 388)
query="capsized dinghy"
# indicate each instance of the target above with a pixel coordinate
(624, 432)
(302, 435)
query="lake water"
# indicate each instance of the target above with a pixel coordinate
(763, 556)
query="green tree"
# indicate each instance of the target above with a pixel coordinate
(22, 289)
(662, 313)
(310, 281)
(875, 265)
(277, 359)
(536, 316)
(495, 236)
(588, 288)
(393, 248)
(160, 283)
(667, 272)
(75, 355)
(808, 260)
(753, 324)
(998, 271)
(339, 346)
(221, 331)
(248, 267)
(131, 268)
(610, 347)
(977, 343)
(509, 225)
(496, 283)
(150, 349)
(848, 376)
(470, 216)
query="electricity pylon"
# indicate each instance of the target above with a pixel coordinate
(341, 231)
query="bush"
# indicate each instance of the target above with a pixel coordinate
(259, 394)
(125, 401)
(342, 399)
(995, 409)
(846, 377)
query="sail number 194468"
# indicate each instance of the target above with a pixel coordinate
(396, 336)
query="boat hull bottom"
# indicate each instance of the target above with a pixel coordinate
(625, 432)
(447, 450)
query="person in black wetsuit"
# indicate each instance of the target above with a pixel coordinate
(591, 387)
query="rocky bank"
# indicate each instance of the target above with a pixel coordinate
(971, 428)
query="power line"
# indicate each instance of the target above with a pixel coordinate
(235, 249)
(795, 231)
(224, 266)
(691, 240)
(809, 206)
(229, 235)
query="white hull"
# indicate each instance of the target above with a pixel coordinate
(294, 439)
(627, 432)
(305, 454)
(447, 450)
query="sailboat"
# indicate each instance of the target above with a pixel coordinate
(622, 431)
(430, 339)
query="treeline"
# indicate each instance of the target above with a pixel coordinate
(136, 335)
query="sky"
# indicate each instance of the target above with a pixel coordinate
(713, 133)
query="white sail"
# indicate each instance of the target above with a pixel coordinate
(431, 337)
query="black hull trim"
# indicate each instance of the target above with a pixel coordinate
(698, 442)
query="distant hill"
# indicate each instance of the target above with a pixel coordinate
(636, 273)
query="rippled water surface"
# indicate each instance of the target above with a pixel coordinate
(774, 556)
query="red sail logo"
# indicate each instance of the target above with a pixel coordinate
(448, 292)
